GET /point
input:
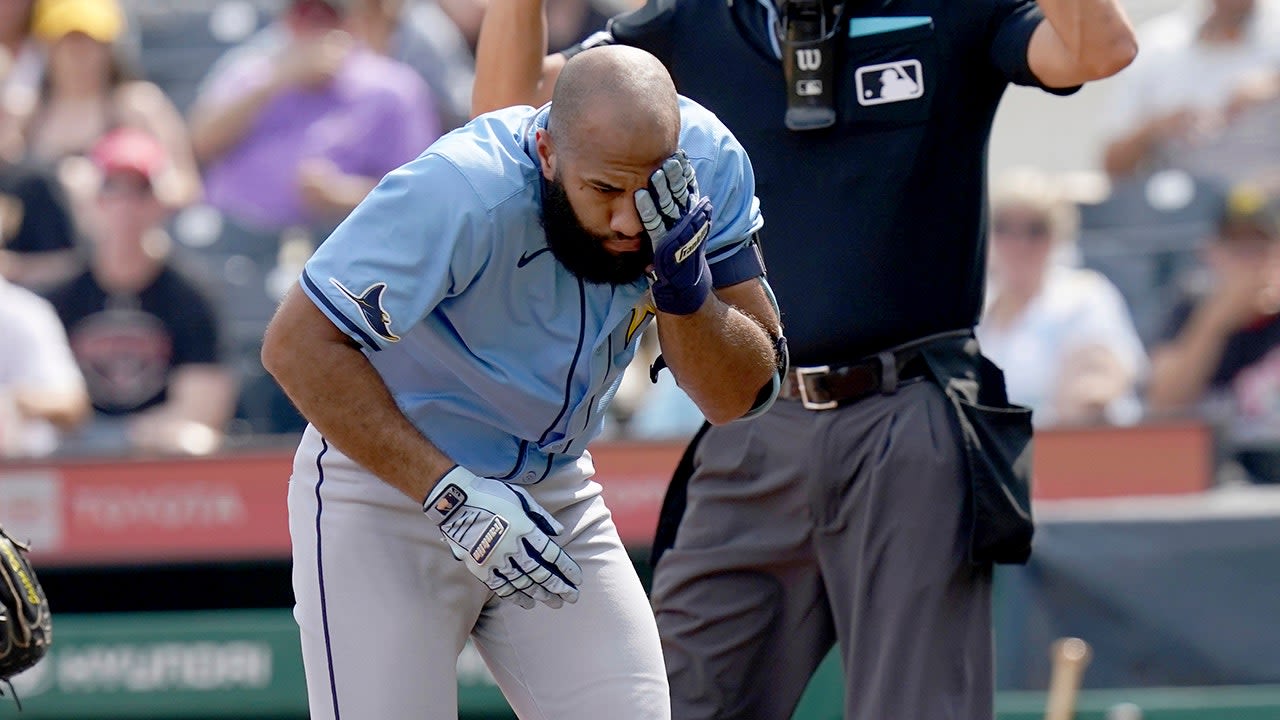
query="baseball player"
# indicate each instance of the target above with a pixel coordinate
(866, 507)
(454, 345)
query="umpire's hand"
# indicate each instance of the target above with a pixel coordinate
(502, 535)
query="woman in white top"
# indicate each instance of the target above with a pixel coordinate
(1062, 334)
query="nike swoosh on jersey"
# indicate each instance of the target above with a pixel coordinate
(527, 257)
(370, 304)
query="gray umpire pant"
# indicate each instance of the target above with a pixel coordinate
(804, 528)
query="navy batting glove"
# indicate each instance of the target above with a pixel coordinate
(677, 220)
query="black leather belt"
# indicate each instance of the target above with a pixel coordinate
(825, 387)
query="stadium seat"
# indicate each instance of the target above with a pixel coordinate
(1145, 236)
(179, 40)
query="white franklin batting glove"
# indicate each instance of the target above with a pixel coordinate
(503, 537)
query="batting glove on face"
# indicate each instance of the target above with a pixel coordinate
(677, 220)
(502, 536)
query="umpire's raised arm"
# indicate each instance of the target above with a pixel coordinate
(512, 65)
(1079, 41)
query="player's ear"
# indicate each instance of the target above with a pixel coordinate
(546, 153)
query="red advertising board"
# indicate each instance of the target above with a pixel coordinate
(635, 477)
(1157, 458)
(150, 510)
(231, 506)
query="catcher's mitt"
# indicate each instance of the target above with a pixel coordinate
(26, 626)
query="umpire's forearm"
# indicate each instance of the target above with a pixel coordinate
(719, 356)
(1097, 34)
(337, 390)
(511, 55)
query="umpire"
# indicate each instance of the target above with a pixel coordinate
(868, 505)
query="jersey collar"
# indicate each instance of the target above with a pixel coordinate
(535, 123)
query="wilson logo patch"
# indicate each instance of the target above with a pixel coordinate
(809, 59)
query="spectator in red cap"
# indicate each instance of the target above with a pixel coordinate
(144, 335)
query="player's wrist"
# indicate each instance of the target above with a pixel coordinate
(676, 298)
(682, 277)
(449, 493)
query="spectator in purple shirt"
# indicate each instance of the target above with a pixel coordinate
(298, 134)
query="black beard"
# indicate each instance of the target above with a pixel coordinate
(581, 251)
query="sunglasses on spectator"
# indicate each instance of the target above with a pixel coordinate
(1034, 231)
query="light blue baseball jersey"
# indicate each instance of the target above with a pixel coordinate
(499, 355)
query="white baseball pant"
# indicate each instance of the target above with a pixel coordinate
(384, 608)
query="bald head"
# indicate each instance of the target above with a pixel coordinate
(614, 96)
(615, 118)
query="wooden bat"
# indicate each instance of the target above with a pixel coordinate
(1070, 656)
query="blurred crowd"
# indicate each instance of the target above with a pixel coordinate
(166, 168)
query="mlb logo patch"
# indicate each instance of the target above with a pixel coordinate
(808, 88)
(890, 82)
(451, 499)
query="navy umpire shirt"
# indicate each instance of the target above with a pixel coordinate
(876, 230)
